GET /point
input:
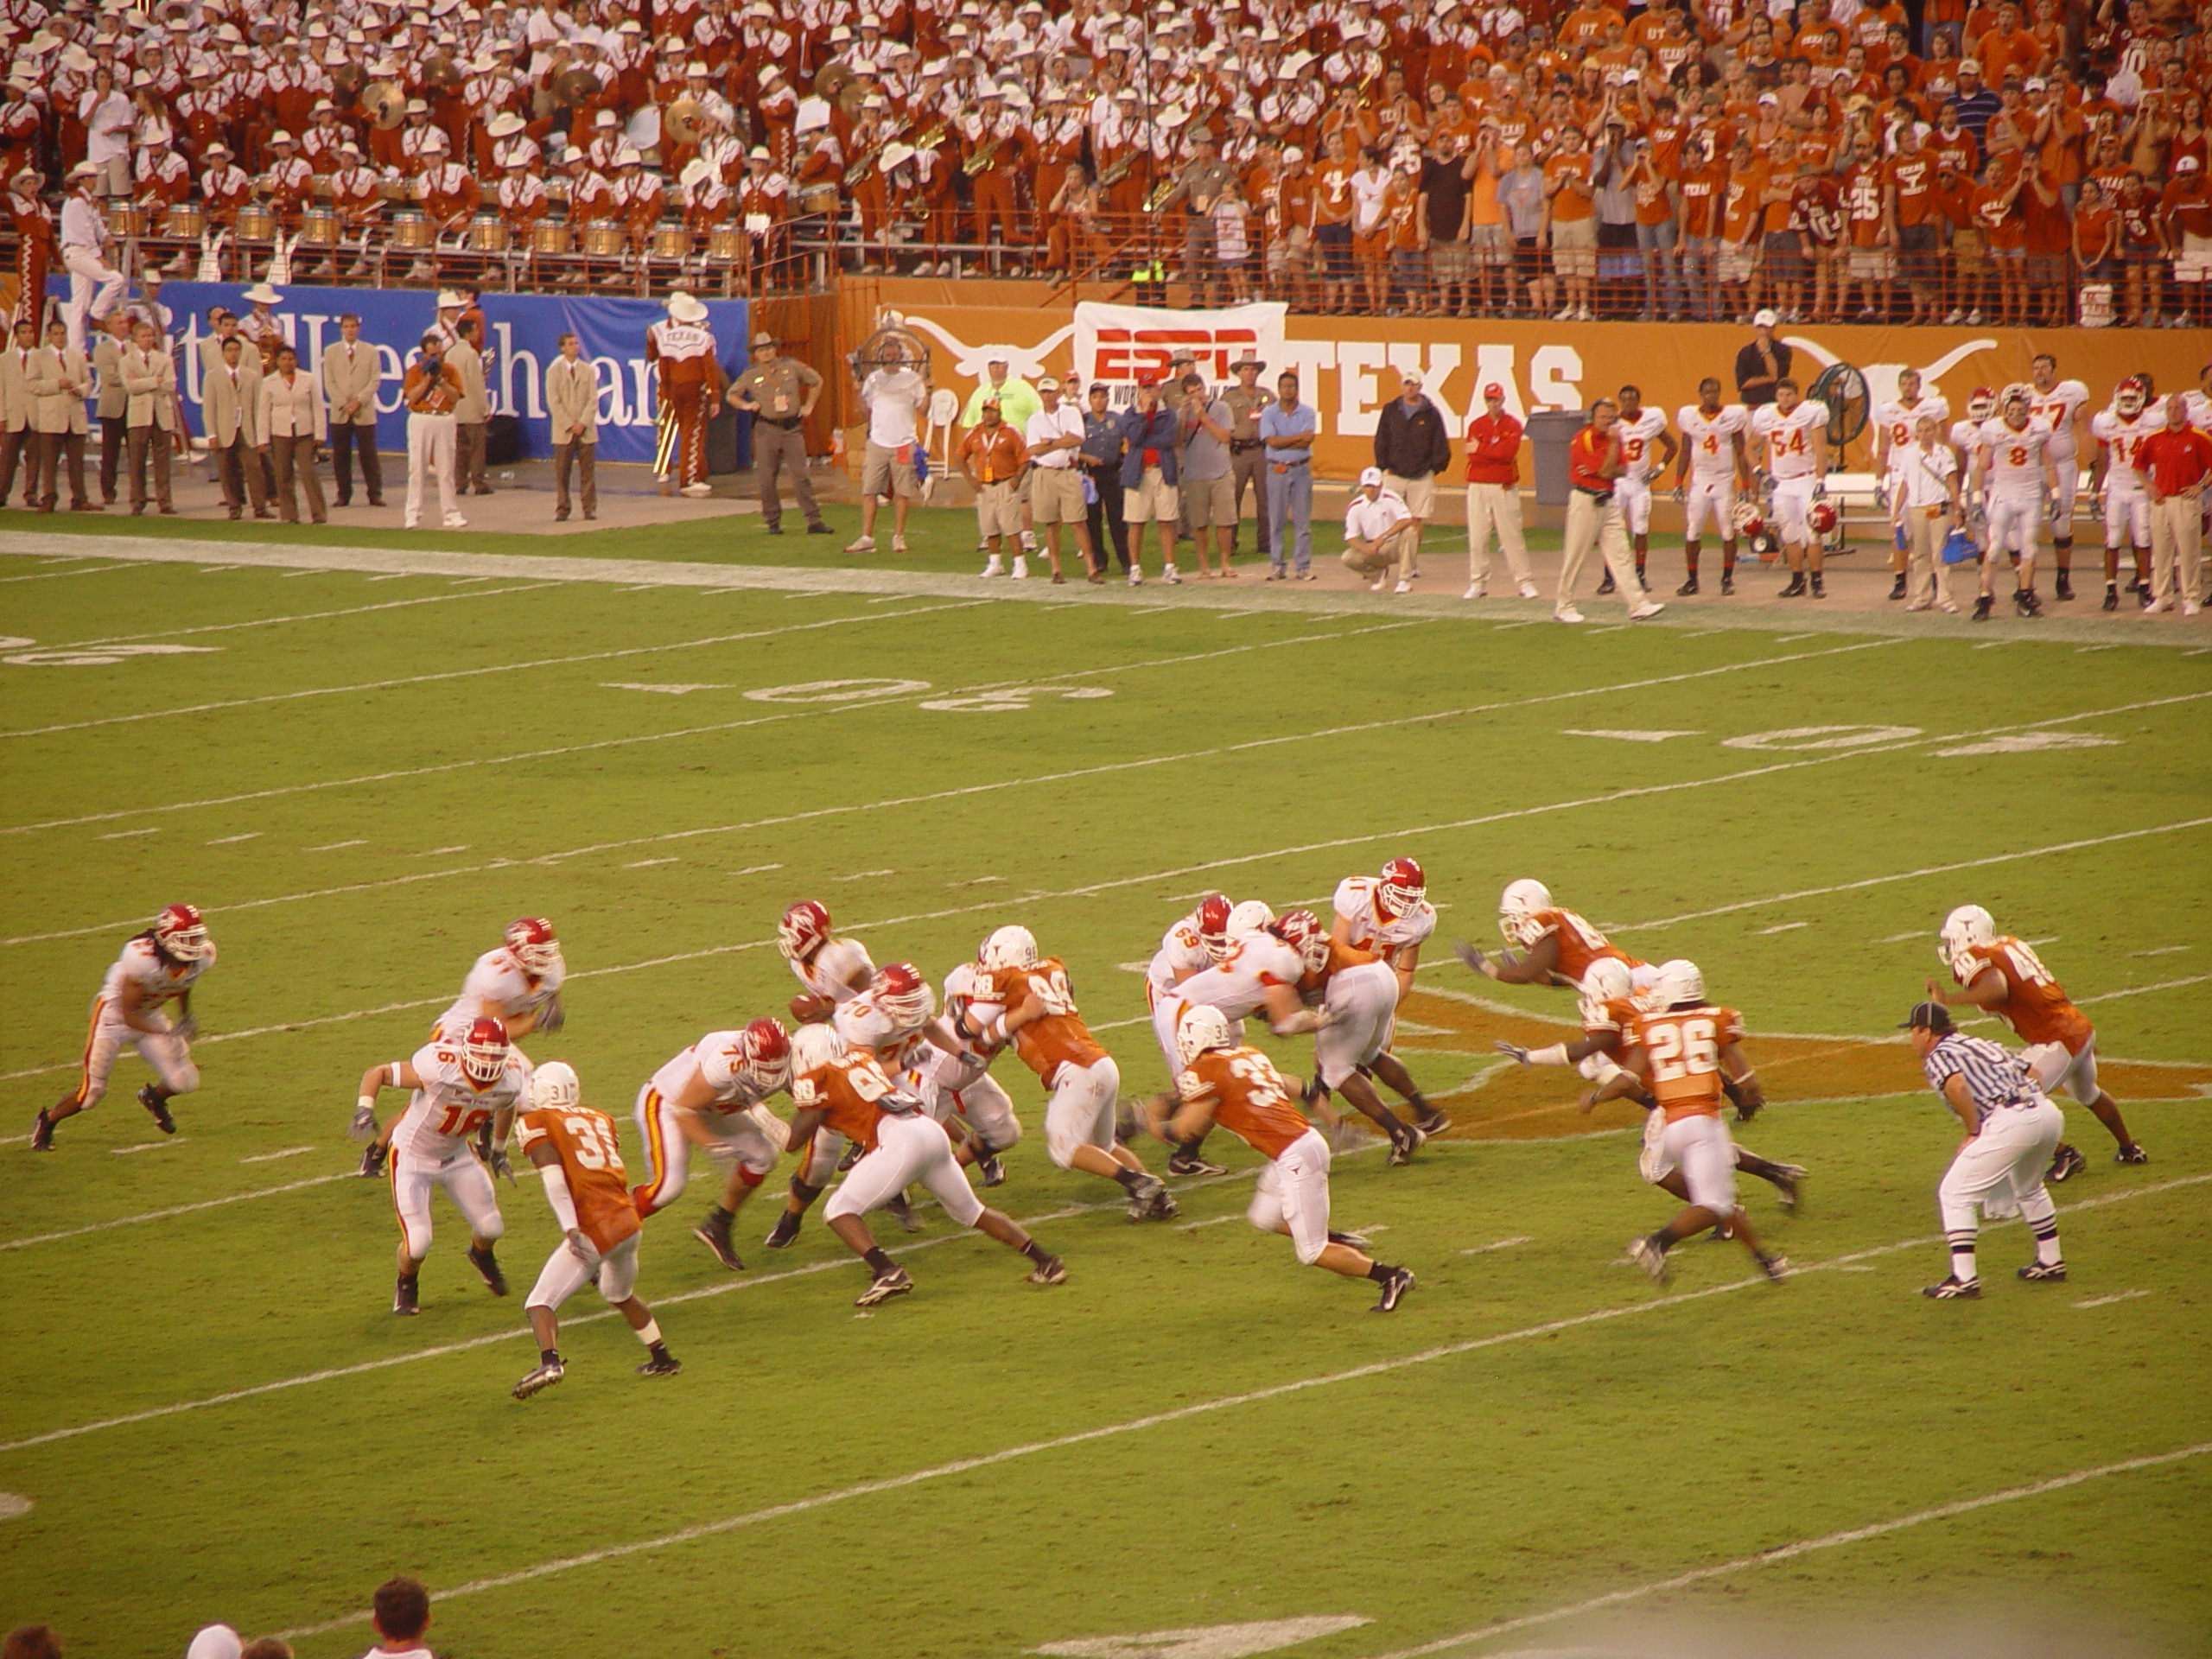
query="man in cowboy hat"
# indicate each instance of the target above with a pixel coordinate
(779, 393)
(680, 348)
(263, 329)
(1247, 465)
(95, 286)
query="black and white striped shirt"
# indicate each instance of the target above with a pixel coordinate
(1995, 1078)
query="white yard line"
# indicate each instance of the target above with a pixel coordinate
(174, 1210)
(303, 616)
(81, 570)
(2107, 1301)
(271, 1157)
(1138, 1425)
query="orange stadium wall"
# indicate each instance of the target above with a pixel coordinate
(1350, 366)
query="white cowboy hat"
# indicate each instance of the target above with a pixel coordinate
(895, 155)
(447, 301)
(261, 294)
(684, 308)
(505, 124)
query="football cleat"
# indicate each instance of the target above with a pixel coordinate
(42, 1134)
(1434, 1125)
(1953, 1289)
(1897, 588)
(2131, 1154)
(1051, 1271)
(2065, 1164)
(661, 1365)
(990, 1169)
(406, 1295)
(1163, 1207)
(1182, 1162)
(2043, 1272)
(1983, 606)
(160, 1107)
(1403, 1146)
(1140, 1195)
(784, 1233)
(1394, 1290)
(1350, 1240)
(2112, 598)
(1687, 588)
(1644, 1251)
(488, 1264)
(1605, 586)
(372, 1160)
(2026, 602)
(714, 1233)
(884, 1286)
(1776, 1268)
(1820, 587)
(1795, 589)
(2064, 586)
(1727, 587)
(540, 1380)
(900, 1209)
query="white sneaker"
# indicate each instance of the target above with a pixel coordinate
(454, 521)
(993, 568)
(1529, 591)
(1644, 612)
(1947, 607)
(412, 523)
(1564, 314)
(1918, 605)
(1020, 568)
(2188, 607)
(1570, 614)
(2158, 607)
(1405, 587)
(698, 492)
(1169, 576)
(864, 545)
(1475, 590)
(1136, 577)
(1378, 584)
(898, 544)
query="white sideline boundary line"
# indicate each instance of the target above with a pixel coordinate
(1792, 1551)
(303, 616)
(1111, 1431)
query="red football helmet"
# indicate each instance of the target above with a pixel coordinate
(901, 992)
(1402, 886)
(484, 1051)
(1211, 918)
(1302, 931)
(181, 934)
(764, 1056)
(1749, 521)
(805, 929)
(530, 942)
(1821, 517)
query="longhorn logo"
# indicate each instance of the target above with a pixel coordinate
(1026, 362)
(1882, 378)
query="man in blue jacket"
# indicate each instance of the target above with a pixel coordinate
(1149, 495)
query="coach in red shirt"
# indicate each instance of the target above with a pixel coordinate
(1494, 495)
(2175, 464)
(1593, 518)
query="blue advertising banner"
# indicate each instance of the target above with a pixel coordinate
(524, 329)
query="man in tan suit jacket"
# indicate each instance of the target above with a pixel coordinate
(572, 412)
(475, 410)
(18, 412)
(150, 413)
(293, 426)
(60, 379)
(107, 365)
(351, 373)
(230, 402)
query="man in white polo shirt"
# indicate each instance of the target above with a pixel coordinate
(1055, 433)
(895, 395)
(1380, 531)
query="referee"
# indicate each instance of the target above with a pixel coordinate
(2010, 1128)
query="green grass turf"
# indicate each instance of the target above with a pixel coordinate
(1263, 753)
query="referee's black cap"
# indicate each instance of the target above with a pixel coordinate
(1927, 1016)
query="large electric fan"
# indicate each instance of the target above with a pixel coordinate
(1843, 389)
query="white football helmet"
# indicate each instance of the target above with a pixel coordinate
(1965, 927)
(1200, 1028)
(814, 1046)
(553, 1085)
(1008, 947)
(2129, 398)
(1517, 906)
(1248, 917)
(1607, 979)
(1679, 981)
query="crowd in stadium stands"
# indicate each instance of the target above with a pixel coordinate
(1995, 162)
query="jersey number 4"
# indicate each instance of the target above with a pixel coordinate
(1684, 1049)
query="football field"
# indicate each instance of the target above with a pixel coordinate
(207, 1410)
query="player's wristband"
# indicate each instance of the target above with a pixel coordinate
(1607, 1073)
(367, 1103)
(1555, 1055)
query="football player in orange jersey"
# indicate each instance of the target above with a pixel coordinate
(1557, 947)
(1240, 1088)
(846, 1091)
(580, 1153)
(1608, 1007)
(1679, 1046)
(2001, 974)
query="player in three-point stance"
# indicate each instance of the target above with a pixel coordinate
(1239, 1088)
(462, 1085)
(2000, 973)
(579, 1152)
(1678, 1049)
(847, 1092)
(159, 966)
(2011, 1128)
(711, 1097)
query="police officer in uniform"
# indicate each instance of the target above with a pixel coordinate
(780, 392)
(1248, 461)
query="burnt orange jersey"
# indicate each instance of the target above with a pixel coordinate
(1579, 944)
(1059, 1038)
(1610, 1019)
(590, 1150)
(846, 1092)
(2035, 1005)
(1341, 956)
(1250, 1099)
(1683, 1046)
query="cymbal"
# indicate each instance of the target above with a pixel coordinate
(384, 104)
(832, 81)
(573, 87)
(679, 122)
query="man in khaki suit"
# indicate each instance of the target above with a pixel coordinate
(572, 411)
(60, 380)
(18, 413)
(351, 372)
(475, 410)
(230, 402)
(114, 401)
(149, 414)
(293, 426)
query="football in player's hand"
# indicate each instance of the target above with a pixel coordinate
(805, 1010)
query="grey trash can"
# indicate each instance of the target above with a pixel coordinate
(1552, 431)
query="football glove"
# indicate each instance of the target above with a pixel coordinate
(501, 1166)
(1471, 955)
(583, 1249)
(1515, 1050)
(553, 1016)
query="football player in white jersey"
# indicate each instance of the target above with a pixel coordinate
(1193, 945)
(832, 970)
(157, 966)
(1895, 423)
(1647, 448)
(1795, 436)
(711, 1097)
(1963, 437)
(2062, 405)
(1388, 915)
(2116, 480)
(462, 1085)
(518, 984)
(1713, 461)
(2014, 476)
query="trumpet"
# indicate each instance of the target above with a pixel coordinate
(982, 158)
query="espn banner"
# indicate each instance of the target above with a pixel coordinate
(1119, 344)
(523, 332)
